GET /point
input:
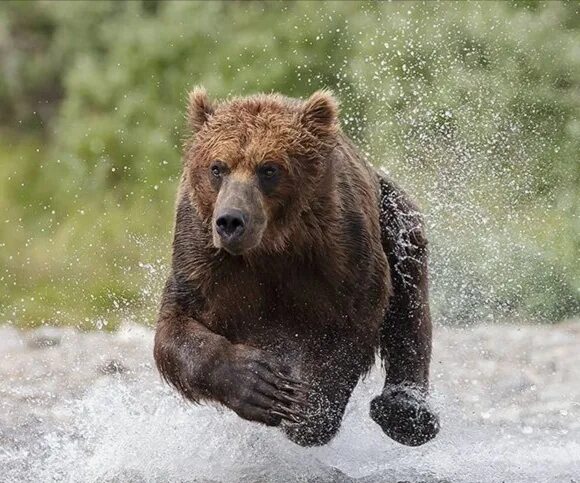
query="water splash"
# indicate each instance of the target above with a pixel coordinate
(132, 428)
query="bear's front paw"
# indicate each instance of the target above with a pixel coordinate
(258, 387)
(405, 415)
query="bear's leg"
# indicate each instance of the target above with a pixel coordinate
(331, 386)
(402, 409)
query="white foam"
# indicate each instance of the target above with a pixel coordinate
(140, 431)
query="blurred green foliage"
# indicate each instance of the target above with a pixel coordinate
(473, 107)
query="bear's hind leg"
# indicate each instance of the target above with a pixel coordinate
(402, 410)
(332, 386)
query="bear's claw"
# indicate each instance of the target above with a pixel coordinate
(404, 415)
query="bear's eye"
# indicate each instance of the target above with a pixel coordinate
(216, 170)
(269, 177)
(268, 171)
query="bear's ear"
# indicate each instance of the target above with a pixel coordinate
(199, 108)
(320, 111)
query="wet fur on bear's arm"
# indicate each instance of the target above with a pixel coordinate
(405, 335)
(186, 352)
(402, 409)
(203, 365)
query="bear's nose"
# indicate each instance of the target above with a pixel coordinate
(230, 224)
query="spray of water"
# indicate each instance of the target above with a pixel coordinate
(123, 424)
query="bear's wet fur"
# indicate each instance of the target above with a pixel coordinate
(294, 263)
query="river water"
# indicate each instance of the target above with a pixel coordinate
(90, 407)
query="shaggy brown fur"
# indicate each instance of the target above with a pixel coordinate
(280, 323)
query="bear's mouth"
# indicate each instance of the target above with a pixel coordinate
(235, 249)
(241, 245)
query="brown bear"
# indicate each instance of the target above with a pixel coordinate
(294, 263)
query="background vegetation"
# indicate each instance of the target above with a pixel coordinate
(474, 108)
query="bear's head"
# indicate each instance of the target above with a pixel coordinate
(258, 167)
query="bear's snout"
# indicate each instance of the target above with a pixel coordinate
(230, 225)
(239, 219)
